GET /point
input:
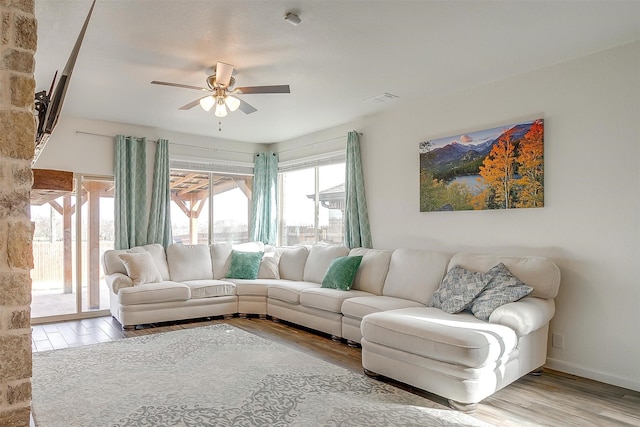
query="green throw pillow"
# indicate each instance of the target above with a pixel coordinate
(244, 265)
(341, 272)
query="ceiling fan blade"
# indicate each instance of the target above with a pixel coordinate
(246, 108)
(224, 72)
(155, 82)
(262, 89)
(192, 104)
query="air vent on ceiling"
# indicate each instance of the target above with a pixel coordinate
(382, 98)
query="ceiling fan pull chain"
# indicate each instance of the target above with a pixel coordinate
(219, 126)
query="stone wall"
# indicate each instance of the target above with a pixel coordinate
(18, 37)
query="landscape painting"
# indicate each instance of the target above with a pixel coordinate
(498, 168)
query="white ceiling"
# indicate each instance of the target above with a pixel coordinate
(342, 53)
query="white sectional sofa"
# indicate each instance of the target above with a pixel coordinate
(390, 309)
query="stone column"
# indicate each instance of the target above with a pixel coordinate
(18, 38)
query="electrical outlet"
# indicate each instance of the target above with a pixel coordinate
(557, 340)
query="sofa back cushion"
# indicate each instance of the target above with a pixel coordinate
(538, 272)
(320, 256)
(160, 258)
(220, 259)
(221, 255)
(373, 269)
(292, 262)
(111, 262)
(414, 274)
(189, 262)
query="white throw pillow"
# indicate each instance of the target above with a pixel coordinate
(141, 268)
(249, 247)
(111, 262)
(269, 266)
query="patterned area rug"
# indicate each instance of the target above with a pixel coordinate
(216, 375)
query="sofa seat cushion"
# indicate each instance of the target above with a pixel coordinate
(210, 288)
(429, 332)
(359, 307)
(256, 287)
(289, 291)
(151, 293)
(328, 299)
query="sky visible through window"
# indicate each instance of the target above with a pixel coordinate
(298, 185)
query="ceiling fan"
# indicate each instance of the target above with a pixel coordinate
(221, 85)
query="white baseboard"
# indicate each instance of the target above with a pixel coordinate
(603, 377)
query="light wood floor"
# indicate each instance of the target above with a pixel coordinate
(553, 399)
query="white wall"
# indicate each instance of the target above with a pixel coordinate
(70, 148)
(589, 225)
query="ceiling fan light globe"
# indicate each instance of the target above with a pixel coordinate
(207, 102)
(221, 110)
(232, 103)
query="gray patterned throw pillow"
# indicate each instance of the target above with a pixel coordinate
(457, 290)
(502, 288)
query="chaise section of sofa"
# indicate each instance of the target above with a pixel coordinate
(459, 356)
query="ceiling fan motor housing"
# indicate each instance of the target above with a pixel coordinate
(213, 84)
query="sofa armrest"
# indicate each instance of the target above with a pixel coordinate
(116, 281)
(524, 316)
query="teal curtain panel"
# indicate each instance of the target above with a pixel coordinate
(131, 192)
(357, 233)
(159, 230)
(264, 221)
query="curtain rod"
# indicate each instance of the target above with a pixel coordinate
(225, 151)
(314, 143)
(171, 143)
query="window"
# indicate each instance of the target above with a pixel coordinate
(312, 205)
(231, 207)
(195, 220)
(189, 206)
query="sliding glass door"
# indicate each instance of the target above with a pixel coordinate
(97, 236)
(54, 255)
(68, 281)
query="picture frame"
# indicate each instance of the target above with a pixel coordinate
(497, 168)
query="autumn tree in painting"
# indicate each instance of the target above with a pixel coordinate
(513, 172)
(497, 172)
(531, 168)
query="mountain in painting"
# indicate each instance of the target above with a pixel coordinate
(457, 159)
